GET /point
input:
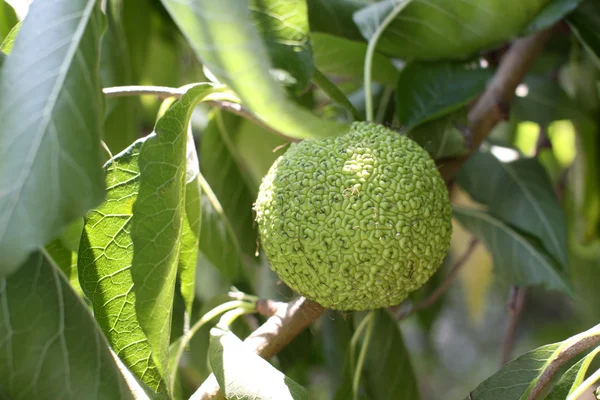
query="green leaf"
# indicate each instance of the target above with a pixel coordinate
(585, 23)
(226, 41)
(104, 267)
(244, 375)
(51, 127)
(336, 333)
(443, 137)
(446, 29)
(9, 40)
(335, 94)
(60, 255)
(334, 17)
(158, 220)
(220, 166)
(572, 378)
(8, 19)
(283, 26)
(343, 58)
(427, 91)
(553, 12)
(50, 344)
(520, 194)
(517, 258)
(120, 126)
(137, 19)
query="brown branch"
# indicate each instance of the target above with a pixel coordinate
(441, 289)
(516, 301)
(277, 332)
(493, 104)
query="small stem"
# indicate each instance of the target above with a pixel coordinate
(354, 340)
(363, 353)
(385, 99)
(334, 93)
(159, 91)
(440, 290)
(230, 316)
(516, 301)
(371, 52)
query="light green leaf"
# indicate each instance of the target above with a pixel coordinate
(585, 23)
(226, 41)
(427, 91)
(443, 137)
(520, 194)
(344, 58)
(283, 26)
(120, 126)
(554, 11)
(572, 378)
(60, 255)
(50, 345)
(104, 267)
(517, 258)
(220, 166)
(51, 127)
(9, 40)
(334, 17)
(244, 375)
(158, 220)
(446, 29)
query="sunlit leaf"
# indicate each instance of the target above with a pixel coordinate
(445, 29)
(243, 374)
(50, 345)
(520, 194)
(158, 220)
(51, 126)
(427, 91)
(226, 41)
(517, 258)
(572, 378)
(7, 44)
(104, 267)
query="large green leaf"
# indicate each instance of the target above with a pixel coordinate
(517, 258)
(446, 29)
(585, 22)
(104, 267)
(283, 26)
(427, 91)
(224, 38)
(190, 240)
(244, 375)
(572, 378)
(158, 221)
(520, 194)
(120, 125)
(220, 166)
(50, 345)
(335, 17)
(137, 19)
(50, 99)
(344, 58)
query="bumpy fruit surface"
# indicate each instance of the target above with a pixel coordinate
(357, 221)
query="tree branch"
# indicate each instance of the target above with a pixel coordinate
(516, 301)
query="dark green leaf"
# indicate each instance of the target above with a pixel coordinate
(158, 220)
(554, 11)
(120, 128)
(227, 43)
(61, 256)
(8, 19)
(221, 167)
(443, 137)
(345, 58)
(104, 263)
(283, 26)
(427, 91)
(336, 332)
(447, 29)
(520, 194)
(517, 258)
(585, 22)
(244, 375)
(50, 344)
(136, 19)
(335, 17)
(51, 127)
(572, 378)
(335, 94)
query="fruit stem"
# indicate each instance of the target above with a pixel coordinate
(371, 52)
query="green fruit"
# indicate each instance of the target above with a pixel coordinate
(357, 221)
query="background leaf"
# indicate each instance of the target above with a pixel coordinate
(223, 37)
(584, 22)
(245, 375)
(335, 17)
(443, 137)
(50, 345)
(554, 11)
(104, 267)
(520, 194)
(60, 255)
(517, 258)
(51, 127)
(427, 91)
(446, 29)
(8, 19)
